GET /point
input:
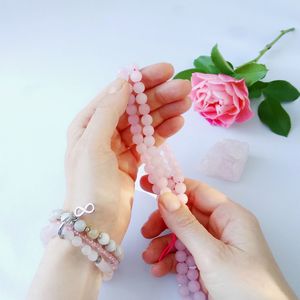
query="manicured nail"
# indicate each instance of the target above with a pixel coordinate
(115, 86)
(170, 202)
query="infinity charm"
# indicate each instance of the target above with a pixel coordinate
(80, 211)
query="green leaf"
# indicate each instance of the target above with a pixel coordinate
(206, 65)
(186, 74)
(251, 72)
(255, 90)
(220, 62)
(272, 114)
(282, 91)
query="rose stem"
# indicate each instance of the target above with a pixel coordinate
(268, 46)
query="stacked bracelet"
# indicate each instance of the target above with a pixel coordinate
(97, 246)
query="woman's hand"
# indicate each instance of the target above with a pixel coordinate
(101, 161)
(101, 167)
(225, 239)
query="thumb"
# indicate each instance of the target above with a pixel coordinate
(108, 111)
(183, 223)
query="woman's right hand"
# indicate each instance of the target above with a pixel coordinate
(225, 240)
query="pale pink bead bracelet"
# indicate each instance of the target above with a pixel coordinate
(98, 247)
(164, 174)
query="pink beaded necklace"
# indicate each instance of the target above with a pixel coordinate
(165, 175)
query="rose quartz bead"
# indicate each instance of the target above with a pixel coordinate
(199, 296)
(135, 76)
(180, 256)
(148, 130)
(192, 274)
(141, 148)
(137, 139)
(182, 279)
(183, 198)
(179, 245)
(179, 179)
(155, 189)
(139, 87)
(162, 183)
(184, 290)
(194, 286)
(180, 188)
(131, 109)
(149, 141)
(133, 119)
(136, 129)
(181, 268)
(131, 99)
(146, 120)
(145, 158)
(141, 98)
(151, 178)
(149, 168)
(190, 261)
(144, 109)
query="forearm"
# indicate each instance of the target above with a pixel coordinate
(65, 273)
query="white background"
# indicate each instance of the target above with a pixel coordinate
(56, 55)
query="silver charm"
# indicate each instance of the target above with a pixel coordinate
(80, 211)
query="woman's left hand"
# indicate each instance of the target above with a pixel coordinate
(101, 162)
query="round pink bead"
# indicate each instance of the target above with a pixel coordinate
(151, 178)
(182, 279)
(184, 290)
(136, 129)
(180, 256)
(139, 87)
(145, 158)
(144, 109)
(179, 245)
(148, 130)
(149, 168)
(190, 261)
(131, 109)
(192, 274)
(180, 188)
(178, 179)
(155, 189)
(141, 98)
(183, 198)
(141, 148)
(133, 119)
(194, 286)
(136, 76)
(137, 139)
(162, 182)
(199, 296)
(131, 99)
(149, 141)
(181, 268)
(146, 120)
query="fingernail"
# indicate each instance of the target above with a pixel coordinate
(170, 202)
(115, 86)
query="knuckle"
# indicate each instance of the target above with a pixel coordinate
(186, 221)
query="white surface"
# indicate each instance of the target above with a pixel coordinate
(55, 55)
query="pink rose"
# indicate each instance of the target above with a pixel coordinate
(220, 99)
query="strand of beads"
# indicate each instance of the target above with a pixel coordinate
(163, 173)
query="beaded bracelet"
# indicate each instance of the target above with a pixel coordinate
(164, 174)
(98, 247)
